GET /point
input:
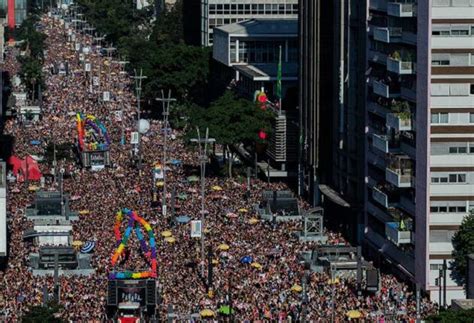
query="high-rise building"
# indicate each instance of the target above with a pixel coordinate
(331, 103)
(215, 13)
(15, 10)
(387, 126)
(420, 130)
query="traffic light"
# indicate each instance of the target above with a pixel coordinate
(262, 134)
(261, 99)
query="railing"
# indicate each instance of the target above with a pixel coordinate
(397, 236)
(395, 177)
(401, 9)
(399, 67)
(394, 121)
(380, 197)
(381, 142)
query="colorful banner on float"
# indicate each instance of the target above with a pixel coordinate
(94, 139)
(134, 222)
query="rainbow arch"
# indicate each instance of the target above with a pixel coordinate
(134, 222)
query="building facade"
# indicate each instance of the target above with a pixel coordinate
(420, 134)
(331, 104)
(15, 11)
(215, 13)
(3, 214)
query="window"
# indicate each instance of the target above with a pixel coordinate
(472, 86)
(441, 30)
(458, 150)
(436, 267)
(440, 59)
(439, 118)
(459, 59)
(471, 117)
(441, 235)
(457, 178)
(460, 30)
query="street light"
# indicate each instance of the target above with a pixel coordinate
(203, 161)
(166, 112)
(138, 87)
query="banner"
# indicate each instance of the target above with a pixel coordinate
(106, 96)
(88, 67)
(196, 229)
(95, 80)
(134, 138)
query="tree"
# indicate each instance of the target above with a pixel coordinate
(41, 314)
(463, 244)
(30, 72)
(449, 316)
(181, 68)
(232, 120)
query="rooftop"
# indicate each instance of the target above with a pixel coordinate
(261, 27)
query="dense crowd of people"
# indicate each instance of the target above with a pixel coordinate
(258, 292)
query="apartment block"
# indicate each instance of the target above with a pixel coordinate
(215, 13)
(420, 134)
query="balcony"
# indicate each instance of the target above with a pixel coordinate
(407, 93)
(380, 197)
(402, 178)
(384, 90)
(401, 9)
(388, 34)
(400, 67)
(396, 235)
(380, 5)
(399, 121)
(408, 205)
(381, 142)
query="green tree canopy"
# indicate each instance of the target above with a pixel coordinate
(463, 244)
(41, 314)
(232, 120)
(33, 40)
(30, 71)
(451, 316)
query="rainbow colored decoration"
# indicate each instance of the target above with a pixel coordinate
(134, 222)
(97, 126)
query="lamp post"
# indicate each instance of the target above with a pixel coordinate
(166, 112)
(203, 161)
(138, 87)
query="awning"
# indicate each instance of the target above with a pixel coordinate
(333, 196)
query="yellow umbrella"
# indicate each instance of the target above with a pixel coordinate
(333, 281)
(223, 247)
(166, 234)
(160, 184)
(243, 210)
(207, 313)
(170, 239)
(33, 188)
(256, 265)
(353, 314)
(253, 221)
(77, 243)
(83, 212)
(215, 261)
(216, 188)
(296, 288)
